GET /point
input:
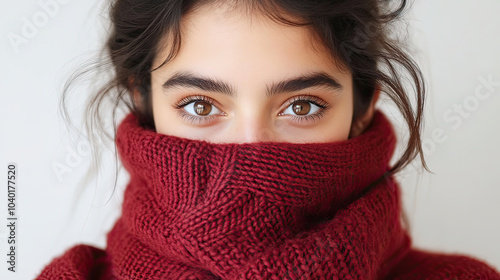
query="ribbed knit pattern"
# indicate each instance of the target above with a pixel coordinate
(268, 210)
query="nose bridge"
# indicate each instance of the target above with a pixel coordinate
(253, 127)
(258, 132)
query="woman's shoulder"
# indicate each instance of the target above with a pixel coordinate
(79, 262)
(422, 264)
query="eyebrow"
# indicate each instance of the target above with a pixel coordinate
(188, 79)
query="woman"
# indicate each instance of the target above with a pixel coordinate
(254, 148)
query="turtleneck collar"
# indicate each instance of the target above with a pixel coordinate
(212, 209)
(188, 172)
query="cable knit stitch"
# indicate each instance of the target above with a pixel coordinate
(268, 210)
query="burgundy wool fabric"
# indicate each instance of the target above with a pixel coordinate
(268, 210)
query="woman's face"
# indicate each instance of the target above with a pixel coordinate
(239, 80)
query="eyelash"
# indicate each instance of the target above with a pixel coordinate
(323, 106)
(190, 118)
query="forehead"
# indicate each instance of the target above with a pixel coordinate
(214, 41)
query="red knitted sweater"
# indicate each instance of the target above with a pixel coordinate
(200, 210)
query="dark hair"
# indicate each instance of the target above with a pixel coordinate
(357, 34)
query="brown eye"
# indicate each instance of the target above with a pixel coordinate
(301, 108)
(202, 108)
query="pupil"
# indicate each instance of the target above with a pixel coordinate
(202, 108)
(301, 108)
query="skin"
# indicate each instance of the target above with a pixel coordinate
(251, 54)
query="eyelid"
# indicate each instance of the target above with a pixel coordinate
(306, 97)
(198, 120)
(308, 118)
(192, 98)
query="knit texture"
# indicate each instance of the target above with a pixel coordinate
(268, 210)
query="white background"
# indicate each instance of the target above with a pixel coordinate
(456, 210)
